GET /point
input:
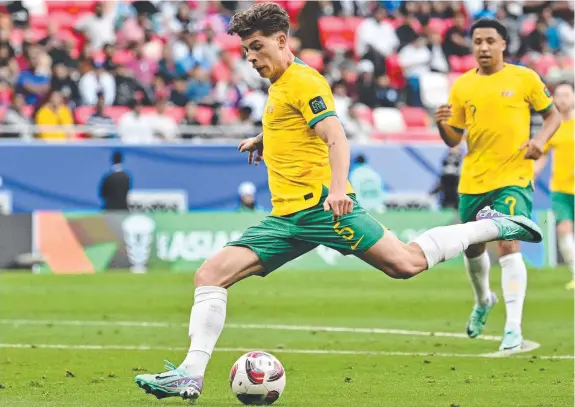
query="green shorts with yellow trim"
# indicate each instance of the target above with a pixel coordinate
(511, 200)
(279, 239)
(563, 206)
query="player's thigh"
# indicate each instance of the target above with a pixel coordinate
(352, 233)
(469, 206)
(228, 266)
(272, 242)
(563, 207)
(395, 258)
(514, 200)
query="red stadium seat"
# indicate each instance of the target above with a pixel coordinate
(204, 115)
(73, 7)
(116, 112)
(293, 9)
(527, 26)
(28, 111)
(414, 116)
(228, 43)
(468, 62)
(338, 43)
(394, 71)
(229, 115)
(175, 112)
(83, 113)
(313, 58)
(544, 63)
(331, 26)
(122, 57)
(220, 72)
(3, 109)
(365, 113)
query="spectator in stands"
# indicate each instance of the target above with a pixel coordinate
(55, 113)
(385, 95)
(33, 82)
(365, 85)
(134, 29)
(189, 120)
(456, 40)
(165, 128)
(98, 28)
(134, 127)
(126, 86)
(486, 12)
(95, 81)
(342, 101)
(308, 31)
(247, 196)
(16, 117)
(356, 128)
(536, 41)
(18, 14)
(441, 9)
(109, 51)
(229, 91)
(551, 32)
(167, 66)
(178, 22)
(199, 86)
(9, 70)
(406, 34)
(178, 92)
(100, 123)
(63, 83)
(143, 68)
(414, 59)
(513, 25)
(567, 35)
(115, 186)
(438, 62)
(375, 39)
(208, 51)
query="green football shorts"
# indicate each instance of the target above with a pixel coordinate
(562, 205)
(512, 200)
(279, 239)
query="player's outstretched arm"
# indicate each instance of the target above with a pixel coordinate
(331, 132)
(535, 147)
(255, 147)
(450, 135)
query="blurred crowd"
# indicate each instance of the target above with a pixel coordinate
(140, 70)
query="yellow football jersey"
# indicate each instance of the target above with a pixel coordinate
(495, 111)
(563, 170)
(296, 158)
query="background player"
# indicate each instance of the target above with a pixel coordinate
(306, 152)
(493, 104)
(562, 178)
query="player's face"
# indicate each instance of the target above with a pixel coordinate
(265, 52)
(488, 47)
(563, 98)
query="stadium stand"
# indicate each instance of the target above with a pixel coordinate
(179, 53)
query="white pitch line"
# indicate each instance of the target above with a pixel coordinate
(292, 351)
(528, 346)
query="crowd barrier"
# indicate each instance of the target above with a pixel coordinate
(70, 243)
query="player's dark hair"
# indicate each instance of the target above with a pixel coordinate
(117, 157)
(489, 23)
(269, 18)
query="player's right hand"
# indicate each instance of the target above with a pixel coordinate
(255, 149)
(443, 113)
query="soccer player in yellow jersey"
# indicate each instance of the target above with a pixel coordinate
(563, 178)
(307, 156)
(493, 104)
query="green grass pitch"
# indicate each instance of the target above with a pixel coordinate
(99, 356)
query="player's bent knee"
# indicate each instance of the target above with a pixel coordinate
(474, 250)
(209, 274)
(508, 247)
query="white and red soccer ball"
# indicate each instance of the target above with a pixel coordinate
(257, 378)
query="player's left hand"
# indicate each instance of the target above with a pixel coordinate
(339, 204)
(534, 149)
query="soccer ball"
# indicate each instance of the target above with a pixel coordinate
(257, 378)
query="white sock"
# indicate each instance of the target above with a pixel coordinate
(445, 242)
(514, 285)
(478, 271)
(206, 324)
(567, 249)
